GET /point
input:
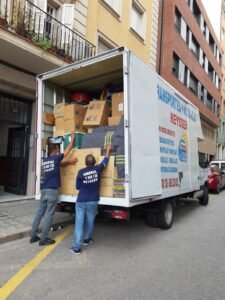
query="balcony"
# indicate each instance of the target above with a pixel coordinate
(33, 26)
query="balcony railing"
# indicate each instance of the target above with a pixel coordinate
(39, 27)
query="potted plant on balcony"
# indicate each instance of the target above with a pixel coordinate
(3, 19)
(44, 43)
(21, 25)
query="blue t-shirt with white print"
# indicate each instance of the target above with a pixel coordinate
(88, 182)
(51, 166)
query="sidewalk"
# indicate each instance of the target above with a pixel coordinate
(16, 218)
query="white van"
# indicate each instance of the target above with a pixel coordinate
(219, 163)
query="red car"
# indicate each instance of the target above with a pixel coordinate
(216, 179)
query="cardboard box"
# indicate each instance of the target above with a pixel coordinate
(59, 123)
(114, 120)
(97, 114)
(59, 132)
(59, 110)
(107, 179)
(74, 110)
(117, 104)
(69, 173)
(48, 118)
(90, 130)
(75, 124)
(59, 126)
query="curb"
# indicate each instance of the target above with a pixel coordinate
(26, 232)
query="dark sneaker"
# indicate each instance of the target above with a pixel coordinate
(76, 252)
(46, 242)
(35, 239)
(87, 242)
(50, 240)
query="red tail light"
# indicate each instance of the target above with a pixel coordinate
(119, 214)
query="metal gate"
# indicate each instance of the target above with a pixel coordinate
(17, 153)
(17, 114)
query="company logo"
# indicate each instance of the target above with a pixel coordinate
(183, 148)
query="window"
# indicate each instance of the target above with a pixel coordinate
(179, 69)
(177, 19)
(210, 71)
(195, 47)
(181, 25)
(114, 4)
(104, 44)
(209, 102)
(175, 68)
(138, 18)
(200, 91)
(182, 76)
(196, 12)
(193, 84)
(211, 43)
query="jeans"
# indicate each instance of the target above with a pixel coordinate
(47, 206)
(84, 225)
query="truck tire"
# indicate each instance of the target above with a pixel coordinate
(165, 216)
(204, 200)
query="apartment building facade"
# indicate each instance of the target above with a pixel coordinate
(130, 23)
(35, 37)
(221, 131)
(39, 35)
(190, 59)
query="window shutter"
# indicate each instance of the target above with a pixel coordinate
(67, 14)
(39, 16)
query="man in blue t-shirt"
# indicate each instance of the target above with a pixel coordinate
(88, 184)
(51, 169)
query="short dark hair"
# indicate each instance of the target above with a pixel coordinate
(90, 160)
(52, 147)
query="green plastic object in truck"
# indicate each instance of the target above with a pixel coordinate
(77, 142)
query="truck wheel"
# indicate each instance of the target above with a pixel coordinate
(204, 200)
(165, 217)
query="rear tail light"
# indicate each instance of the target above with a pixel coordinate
(119, 214)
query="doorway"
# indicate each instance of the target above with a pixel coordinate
(17, 163)
(15, 122)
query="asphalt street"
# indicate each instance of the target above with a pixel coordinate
(126, 261)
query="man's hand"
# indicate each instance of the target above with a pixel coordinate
(73, 161)
(108, 148)
(68, 162)
(72, 135)
(70, 146)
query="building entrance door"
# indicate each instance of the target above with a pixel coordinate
(17, 163)
(15, 127)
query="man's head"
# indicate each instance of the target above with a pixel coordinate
(90, 160)
(53, 149)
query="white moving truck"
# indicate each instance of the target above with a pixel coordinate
(161, 133)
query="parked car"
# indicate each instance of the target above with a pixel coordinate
(216, 179)
(219, 163)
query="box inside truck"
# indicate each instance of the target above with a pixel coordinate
(90, 102)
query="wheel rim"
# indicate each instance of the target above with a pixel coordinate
(168, 214)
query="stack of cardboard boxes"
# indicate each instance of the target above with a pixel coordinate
(76, 118)
(59, 119)
(117, 109)
(69, 173)
(69, 118)
(97, 114)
